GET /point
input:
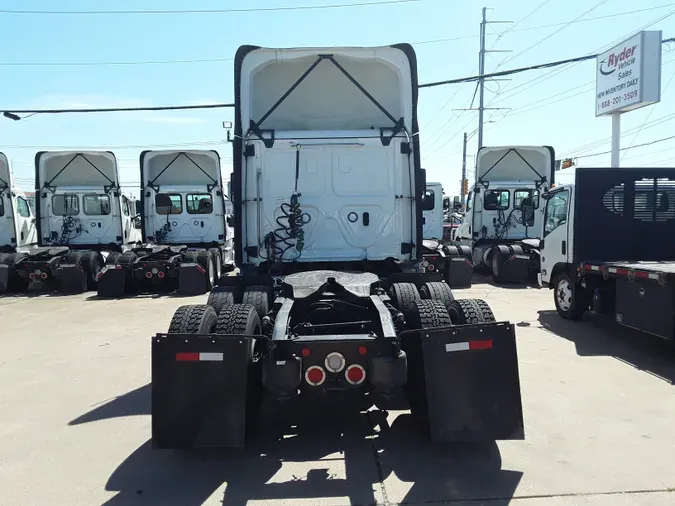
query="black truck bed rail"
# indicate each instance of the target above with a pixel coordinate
(663, 272)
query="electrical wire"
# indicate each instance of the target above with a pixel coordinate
(211, 11)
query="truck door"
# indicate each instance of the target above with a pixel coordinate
(25, 223)
(555, 245)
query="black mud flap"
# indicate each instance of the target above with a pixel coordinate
(111, 282)
(459, 272)
(472, 383)
(191, 279)
(4, 278)
(72, 278)
(200, 386)
(515, 268)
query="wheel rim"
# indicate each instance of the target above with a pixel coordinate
(564, 295)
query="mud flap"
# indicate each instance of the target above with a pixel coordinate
(72, 278)
(200, 387)
(459, 272)
(514, 269)
(111, 282)
(191, 279)
(472, 383)
(4, 278)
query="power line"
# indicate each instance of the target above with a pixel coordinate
(212, 11)
(629, 147)
(474, 78)
(225, 60)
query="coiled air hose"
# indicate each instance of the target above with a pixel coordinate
(290, 233)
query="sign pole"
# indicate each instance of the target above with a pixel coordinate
(616, 138)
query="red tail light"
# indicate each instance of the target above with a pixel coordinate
(148, 274)
(160, 274)
(43, 275)
(31, 275)
(315, 376)
(363, 350)
(355, 374)
(305, 352)
(431, 267)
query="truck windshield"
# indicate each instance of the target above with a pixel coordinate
(96, 205)
(65, 205)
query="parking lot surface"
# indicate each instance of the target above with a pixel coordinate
(75, 426)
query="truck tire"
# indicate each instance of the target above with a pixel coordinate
(90, 261)
(404, 296)
(217, 261)
(221, 296)
(14, 260)
(437, 290)
(239, 319)
(428, 314)
(258, 296)
(205, 259)
(468, 311)
(112, 257)
(498, 254)
(571, 299)
(194, 319)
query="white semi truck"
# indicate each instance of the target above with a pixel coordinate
(329, 300)
(82, 218)
(452, 261)
(186, 232)
(504, 220)
(18, 232)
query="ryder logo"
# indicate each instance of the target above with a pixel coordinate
(617, 60)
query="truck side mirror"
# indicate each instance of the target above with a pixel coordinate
(527, 212)
(230, 221)
(138, 224)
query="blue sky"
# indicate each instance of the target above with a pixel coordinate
(553, 107)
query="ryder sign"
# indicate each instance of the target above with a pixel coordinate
(628, 76)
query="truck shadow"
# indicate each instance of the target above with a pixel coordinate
(598, 335)
(480, 280)
(358, 458)
(148, 295)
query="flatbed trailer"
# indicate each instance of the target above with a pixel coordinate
(630, 275)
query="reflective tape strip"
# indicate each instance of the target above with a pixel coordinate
(199, 357)
(483, 344)
(210, 357)
(637, 274)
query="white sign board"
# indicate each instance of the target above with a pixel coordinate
(628, 76)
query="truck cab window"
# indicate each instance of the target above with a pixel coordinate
(65, 205)
(168, 203)
(199, 203)
(22, 207)
(469, 201)
(96, 205)
(496, 199)
(556, 211)
(519, 195)
(125, 206)
(428, 200)
(2, 206)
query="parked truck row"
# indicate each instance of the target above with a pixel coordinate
(87, 234)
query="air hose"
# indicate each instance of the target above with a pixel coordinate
(289, 233)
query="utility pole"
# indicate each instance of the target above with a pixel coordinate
(462, 195)
(481, 71)
(481, 81)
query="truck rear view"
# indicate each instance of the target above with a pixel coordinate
(330, 300)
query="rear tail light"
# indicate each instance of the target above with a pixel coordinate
(31, 275)
(335, 362)
(431, 267)
(148, 274)
(315, 376)
(43, 275)
(363, 350)
(306, 352)
(355, 374)
(160, 274)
